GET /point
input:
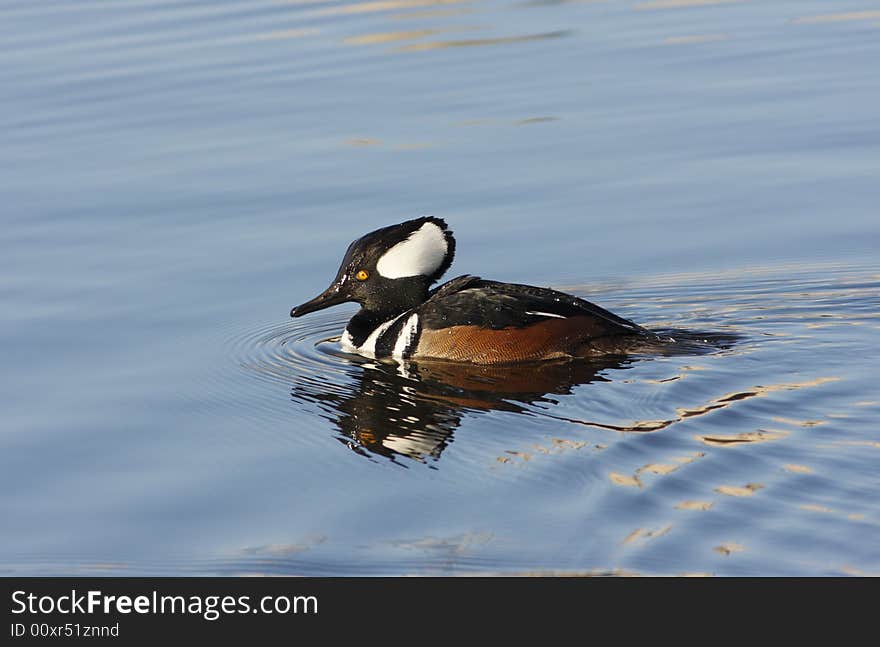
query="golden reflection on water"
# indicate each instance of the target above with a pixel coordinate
(557, 445)
(798, 423)
(391, 36)
(526, 121)
(431, 13)
(665, 380)
(848, 569)
(732, 490)
(725, 440)
(598, 572)
(534, 120)
(477, 42)
(449, 546)
(824, 509)
(718, 403)
(303, 2)
(363, 141)
(659, 468)
(284, 550)
(729, 548)
(289, 33)
(622, 479)
(678, 4)
(695, 505)
(813, 507)
(550, 3)
(644, 535)
(857, 443)
(107, 566)
(652, 468)
(871, 14)
(384, 5)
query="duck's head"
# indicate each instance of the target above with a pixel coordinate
(390, 269)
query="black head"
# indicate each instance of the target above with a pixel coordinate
(389, 270)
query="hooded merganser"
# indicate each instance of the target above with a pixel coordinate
(389, 273)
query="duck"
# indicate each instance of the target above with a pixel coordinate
(390, 273)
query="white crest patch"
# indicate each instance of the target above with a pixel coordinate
(419, 255)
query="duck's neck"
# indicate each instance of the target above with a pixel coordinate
(365, 322)
(389, 300)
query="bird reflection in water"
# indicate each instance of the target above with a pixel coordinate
(412, 409)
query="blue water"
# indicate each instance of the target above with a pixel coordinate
(177, 175)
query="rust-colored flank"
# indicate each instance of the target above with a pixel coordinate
(549, 339)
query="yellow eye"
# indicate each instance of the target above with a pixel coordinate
(363, 275)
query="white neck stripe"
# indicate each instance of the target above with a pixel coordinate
(368, 348)
(406, 336)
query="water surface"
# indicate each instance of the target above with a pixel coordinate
(178, 175)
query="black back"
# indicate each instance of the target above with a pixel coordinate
(472, 301)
